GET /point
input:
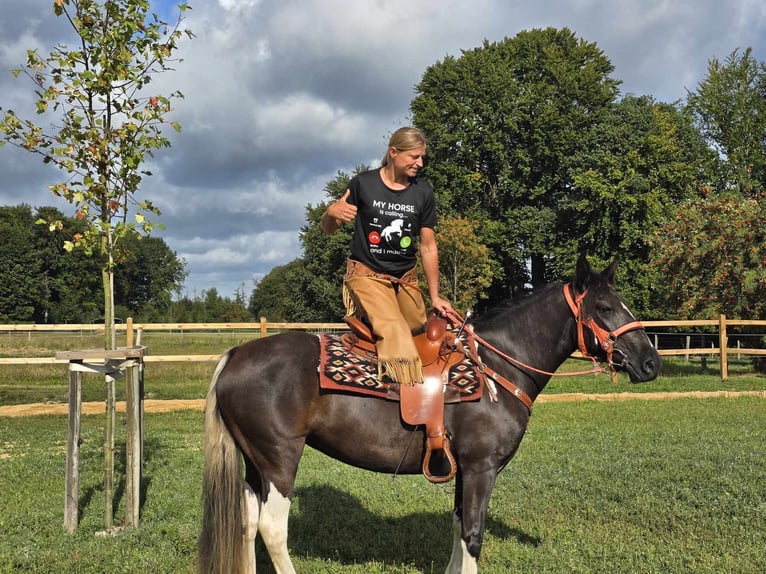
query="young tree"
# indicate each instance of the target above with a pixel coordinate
(465, 266)
(105, 121)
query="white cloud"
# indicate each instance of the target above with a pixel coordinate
(281, 94)
(238, 5)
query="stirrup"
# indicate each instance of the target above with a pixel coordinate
(447, 453)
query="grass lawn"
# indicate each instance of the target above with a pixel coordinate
(619, 487)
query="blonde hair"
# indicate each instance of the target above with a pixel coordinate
(404, 139)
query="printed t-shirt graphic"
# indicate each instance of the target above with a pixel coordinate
(388, 221)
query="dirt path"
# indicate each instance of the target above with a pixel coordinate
(158, 406)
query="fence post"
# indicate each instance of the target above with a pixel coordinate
(134, 441)
(109, 431)
(724, 343)
(263, 327)
(72, 494)
(112, 364)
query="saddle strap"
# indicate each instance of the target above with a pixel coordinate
(471, 350)
(423, 404)
(509, 386)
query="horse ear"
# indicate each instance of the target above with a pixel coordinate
(582, 274)
(610, 271)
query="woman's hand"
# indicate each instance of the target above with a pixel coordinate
(338, 213)
(441, 305)
(342, 210)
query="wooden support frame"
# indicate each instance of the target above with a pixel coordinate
(113, 364)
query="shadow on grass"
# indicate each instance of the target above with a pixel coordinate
(118, 493)
(330, 524)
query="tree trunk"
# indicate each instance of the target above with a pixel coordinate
(107, 278)
(110, 339)
(538, 270)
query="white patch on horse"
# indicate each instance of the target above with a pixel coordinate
(251, 527)
(272, 525)
(632, 316)
(624, 306)
(460, 562)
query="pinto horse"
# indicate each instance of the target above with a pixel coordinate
(265, 404)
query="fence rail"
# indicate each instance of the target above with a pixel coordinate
(133, 332)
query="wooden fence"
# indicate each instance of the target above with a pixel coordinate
(720, 329)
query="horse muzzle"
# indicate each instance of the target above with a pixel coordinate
(640, 369)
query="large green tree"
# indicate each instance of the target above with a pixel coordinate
(72, 290)
(712, 256)
(502, 120)
(42, 283)
(45, 284)
(628, 177)
(711, 251)
(278, 296)
(100, 121)
(21, 288)
(148, 277)
(729, 107)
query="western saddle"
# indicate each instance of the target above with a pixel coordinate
(423, 403)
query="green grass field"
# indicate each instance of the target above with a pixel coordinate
(670, 486)
(635, 486)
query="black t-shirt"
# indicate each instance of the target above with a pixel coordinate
(388, 221)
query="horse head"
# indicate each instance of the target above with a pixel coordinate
(607, 329)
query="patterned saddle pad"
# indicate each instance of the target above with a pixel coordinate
(341, 369)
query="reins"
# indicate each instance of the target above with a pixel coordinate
(605, 339)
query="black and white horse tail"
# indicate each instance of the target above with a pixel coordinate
(221, 542)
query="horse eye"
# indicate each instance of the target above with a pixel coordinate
(603, 309)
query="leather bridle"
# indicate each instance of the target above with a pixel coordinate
(604, 338)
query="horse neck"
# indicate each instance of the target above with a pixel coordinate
(539, 332)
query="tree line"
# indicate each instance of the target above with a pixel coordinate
(45, 284)
(535, 157)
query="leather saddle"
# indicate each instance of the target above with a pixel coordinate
(423, 403)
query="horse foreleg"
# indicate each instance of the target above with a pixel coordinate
(272, 525)
(459, 551)
(472, 495)
(253, 506)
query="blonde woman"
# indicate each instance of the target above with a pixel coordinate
(394, 214)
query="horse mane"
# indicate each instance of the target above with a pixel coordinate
(596, 284)
(501, 311)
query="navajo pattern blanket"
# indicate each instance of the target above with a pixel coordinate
(340, 369)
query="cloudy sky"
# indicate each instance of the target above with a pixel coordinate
(282, 94)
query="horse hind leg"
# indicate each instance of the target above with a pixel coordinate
(253, 509)
(272, 524)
